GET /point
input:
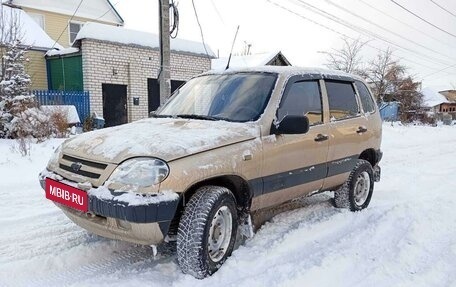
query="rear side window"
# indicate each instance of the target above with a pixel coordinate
(302, 98)
(342, 100)
(365, 97)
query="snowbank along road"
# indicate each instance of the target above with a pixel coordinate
(406, 237)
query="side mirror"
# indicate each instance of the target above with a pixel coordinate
(291, 125)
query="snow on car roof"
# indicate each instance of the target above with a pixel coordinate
(288, 70)
(255, 60)
(121, 35)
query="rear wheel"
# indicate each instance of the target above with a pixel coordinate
(207, 231)
(356, 192)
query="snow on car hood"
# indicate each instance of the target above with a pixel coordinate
(164, 138)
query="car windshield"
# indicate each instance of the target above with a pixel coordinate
(239, 97)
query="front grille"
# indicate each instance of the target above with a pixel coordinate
(85, 162)
(86, 168)
(80, 172)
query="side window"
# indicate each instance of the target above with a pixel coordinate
(365, 97)
(302, 98)
(342, 100)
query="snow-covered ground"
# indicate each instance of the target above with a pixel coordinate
(406, 237)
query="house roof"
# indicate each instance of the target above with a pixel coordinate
(432, 98)
(121, 35)
(247, 61)
(450, 95)
(101, 10)
(31, 33)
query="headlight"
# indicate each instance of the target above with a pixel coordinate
(140, 172)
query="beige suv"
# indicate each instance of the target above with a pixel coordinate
(225, 145)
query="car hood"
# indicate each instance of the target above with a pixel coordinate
(164, 138)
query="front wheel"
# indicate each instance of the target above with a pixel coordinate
(356, 192)
(207, 231)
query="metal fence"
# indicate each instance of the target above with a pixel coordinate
(79, 99)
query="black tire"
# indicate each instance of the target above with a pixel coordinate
(194, 229)
(345, 196)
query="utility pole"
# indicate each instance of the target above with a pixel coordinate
(164, 76)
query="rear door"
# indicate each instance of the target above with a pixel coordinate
(347, 131)
(295, 164)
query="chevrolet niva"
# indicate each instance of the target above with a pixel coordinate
(224, 145)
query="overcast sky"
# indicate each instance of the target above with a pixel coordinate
(301, 34)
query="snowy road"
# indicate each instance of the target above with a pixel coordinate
(407, 236)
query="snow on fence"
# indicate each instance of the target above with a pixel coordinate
(79, 99)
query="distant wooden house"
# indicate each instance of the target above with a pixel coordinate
(432, 100)
(449, 106)
(244, 61)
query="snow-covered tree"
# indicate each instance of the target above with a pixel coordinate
(15, 95)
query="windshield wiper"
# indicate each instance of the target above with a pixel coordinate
(197, 117)
(160, 116)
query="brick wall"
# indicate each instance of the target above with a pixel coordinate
(112, 63)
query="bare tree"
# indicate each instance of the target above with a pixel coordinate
(348, 58)
(380, 70)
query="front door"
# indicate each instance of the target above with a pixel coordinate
(295, 164)
(114, 104)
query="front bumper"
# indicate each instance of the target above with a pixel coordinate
(146, 221)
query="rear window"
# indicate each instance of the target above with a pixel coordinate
(342, 100)
(365, 97)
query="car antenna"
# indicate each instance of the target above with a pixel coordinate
(232, 46)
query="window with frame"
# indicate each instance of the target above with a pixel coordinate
(73, 30)
(365, 96)
(342, 100)
(302, 98)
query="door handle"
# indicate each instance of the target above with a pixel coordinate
(361, 130)
(321, 137)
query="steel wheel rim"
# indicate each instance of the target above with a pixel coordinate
(362, 188)
(220, 233)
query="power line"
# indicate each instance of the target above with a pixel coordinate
(66, 27)
(201, 29)
(424, 20)
(443, 8)
(441, 70)
(384, 29)
(404, 23)
(340, 33)
(366, 32)
(217, 11)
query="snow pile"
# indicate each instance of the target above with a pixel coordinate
(70, 112)
(132, 37)
(406, 237)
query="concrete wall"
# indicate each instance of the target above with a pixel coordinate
(112, 63)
